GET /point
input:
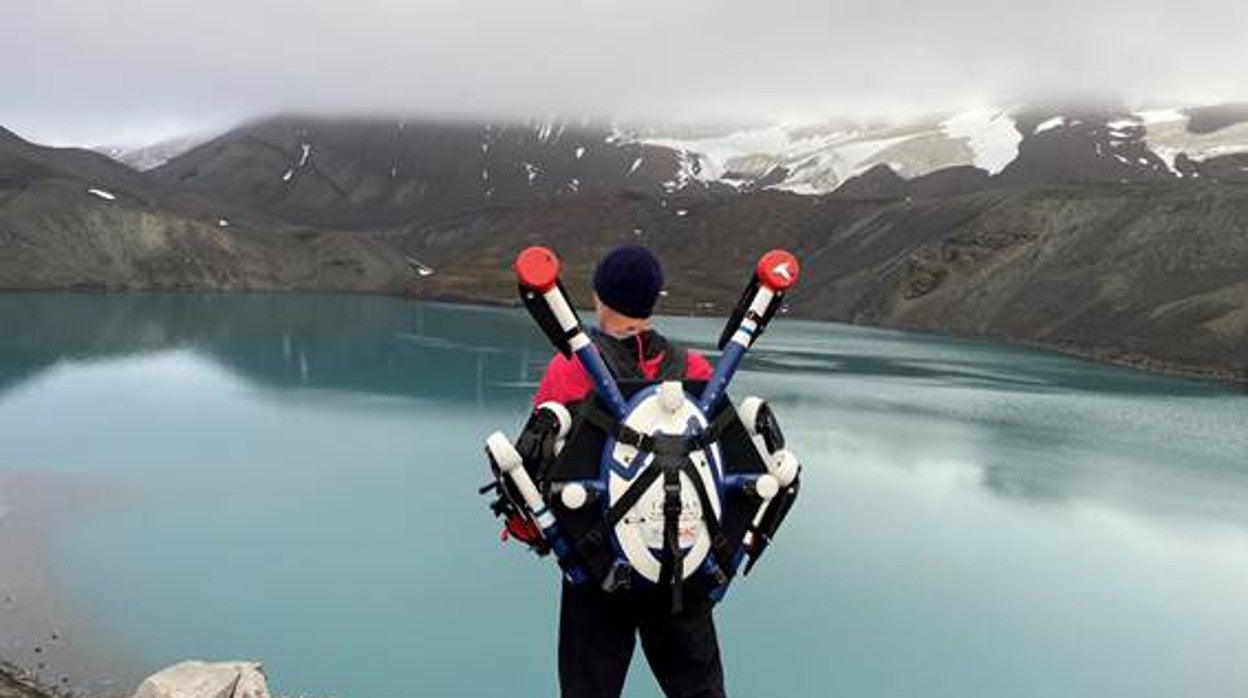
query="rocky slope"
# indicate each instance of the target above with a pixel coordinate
(366, 174)
(1150, 274)
(1093, 229)
(14, 684)
(72, 219)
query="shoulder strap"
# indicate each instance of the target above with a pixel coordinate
(621, 362)
(674, 364)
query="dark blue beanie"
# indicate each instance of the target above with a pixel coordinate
(628, 280)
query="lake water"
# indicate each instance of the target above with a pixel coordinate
(292, 480)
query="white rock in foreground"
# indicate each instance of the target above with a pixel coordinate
(194, 679)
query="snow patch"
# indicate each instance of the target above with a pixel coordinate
(289, 174)
(103, 194)
(580, 152)
(1049, 124)
(532, 171)
(687, 168)
(636, 164)
(818, 157)
(1161, 116)
(303, 156)
(223, 223)
(574, 185)
(1166, 135)
(991, 135)
(152, 155)
(420, 268)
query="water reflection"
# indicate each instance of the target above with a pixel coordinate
(977, 519)
(1042, 426)
(366, 344)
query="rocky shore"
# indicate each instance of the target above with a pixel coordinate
(189, 679)
(15, 683)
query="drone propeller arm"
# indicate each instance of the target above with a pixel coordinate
(775, 273)
(508, 461)
(537, 269)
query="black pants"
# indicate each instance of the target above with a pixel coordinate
(597, 633)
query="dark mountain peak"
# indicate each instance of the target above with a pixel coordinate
(1084, 143)
(366, 173)
(1203, 120)
(1039, 117)
(8, 137)
(879, 182)
(23, 164)
(951, 181)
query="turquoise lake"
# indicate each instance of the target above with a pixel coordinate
(292, 479)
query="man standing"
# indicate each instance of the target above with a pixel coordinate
(598, 630)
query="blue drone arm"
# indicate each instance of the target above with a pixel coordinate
(537, 269)
(775, 273)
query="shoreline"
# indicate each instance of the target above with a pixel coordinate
(1105, 357)
(16, 683)
(48, 648)
(1138, 362)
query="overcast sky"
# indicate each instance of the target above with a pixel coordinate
(91, 71)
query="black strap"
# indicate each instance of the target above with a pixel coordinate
(592, 547)
(621, 358)
(720, 549)
(674, 364)
(672, 570)
(631, 496)
(671, 459)
(676, 445)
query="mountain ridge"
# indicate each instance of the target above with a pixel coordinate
(1091, 238)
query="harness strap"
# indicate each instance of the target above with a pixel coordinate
(629, 436)
(720, 549)
(592, 545)
(671, 459)
(671, 571)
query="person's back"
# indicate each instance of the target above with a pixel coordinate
(597, 630)
(566, 381)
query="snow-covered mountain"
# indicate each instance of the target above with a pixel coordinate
(818, 158)
(365, 173)
(152, 155)
(1106, 144)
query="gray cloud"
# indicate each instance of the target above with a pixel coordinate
(91, 71)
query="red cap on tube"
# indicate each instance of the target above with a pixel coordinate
(537, 268)
(777, 270)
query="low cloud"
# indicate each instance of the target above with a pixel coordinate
(87, 71)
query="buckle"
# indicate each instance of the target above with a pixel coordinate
(629, 437)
